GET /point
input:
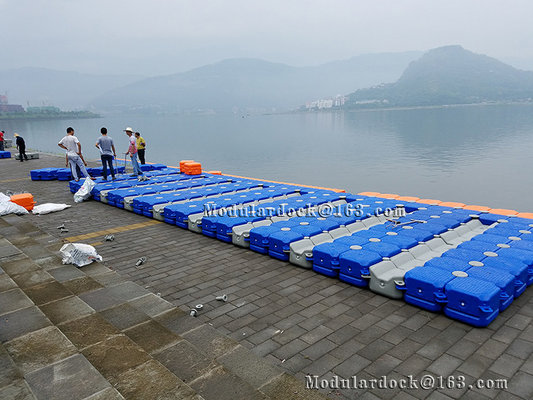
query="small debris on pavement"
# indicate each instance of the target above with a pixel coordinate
(140, 261)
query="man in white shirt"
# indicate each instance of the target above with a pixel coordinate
(73, 147)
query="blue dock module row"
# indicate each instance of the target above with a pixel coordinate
(351, 257)
(103, 191)
(117, 197)
(219, 223)
(44, 174)
(434, 237)
(207, 186)
(459, 295)
(152, 167)
(5, 154)
(178, 214)
(145, 204)
(260, 207)
(363, 211)
(259, 237)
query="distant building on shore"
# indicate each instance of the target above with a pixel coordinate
(324, 104)
(5, 107)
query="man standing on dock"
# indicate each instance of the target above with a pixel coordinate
(141, 147)
(2, 140)
(132, 151)
(73, 147)
(107, 152)
(21, 145)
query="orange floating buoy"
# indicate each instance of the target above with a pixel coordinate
(503, 211)
(432, 202)
(524, 215)
(24, 199)
(452, 204)
(408, 198)
(182, 164)
(476, 208)
(372, 194)
(214, 172)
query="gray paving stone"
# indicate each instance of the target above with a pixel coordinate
(249, 367)
(89, 330)
(106, 394)
(124, 316)
(9, 372)
(522, 385)
(66, 309)
(185, 360)
(445, 365)
(151, 305)
(6, 283)
(219, 384)
(151, 336)
(209, 341)
(506, 365)
(7, 249)
(319, 348)
(32, 278)
(72, 378)
(13, 300)
(20, 322)
(66, 273)
(17, 390)
(351, 366)
(47, 292)
(151, 380)
(40, 348)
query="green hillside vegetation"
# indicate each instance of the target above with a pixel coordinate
(446, 76)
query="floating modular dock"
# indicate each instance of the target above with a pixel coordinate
(469, 262)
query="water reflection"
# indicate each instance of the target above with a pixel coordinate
(471, 154)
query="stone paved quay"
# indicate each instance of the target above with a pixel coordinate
(290, 319)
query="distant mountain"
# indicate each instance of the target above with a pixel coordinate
(449, 75)
(252, 84)
(64, 89)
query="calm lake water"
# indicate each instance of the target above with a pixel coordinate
(476, 155)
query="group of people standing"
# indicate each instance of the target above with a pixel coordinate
(106, 146)
(19, 142)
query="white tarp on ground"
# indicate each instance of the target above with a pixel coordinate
(85, 191)
(79, 254)
(8, 207)
(49, 208)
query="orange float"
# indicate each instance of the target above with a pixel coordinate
(476, 208)
(452, 204)
(432, 202)
(24, 199)
(503, 211)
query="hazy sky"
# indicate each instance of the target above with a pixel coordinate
(167, 36)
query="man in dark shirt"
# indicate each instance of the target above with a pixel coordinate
(21, 145)
(2, 140)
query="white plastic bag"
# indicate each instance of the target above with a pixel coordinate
(48, 208)
(8, 207)
(85, 191)
(79, 254)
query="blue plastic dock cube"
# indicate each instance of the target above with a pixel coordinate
(354, 265)
(472, 301)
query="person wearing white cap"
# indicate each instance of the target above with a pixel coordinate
(132, 151)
